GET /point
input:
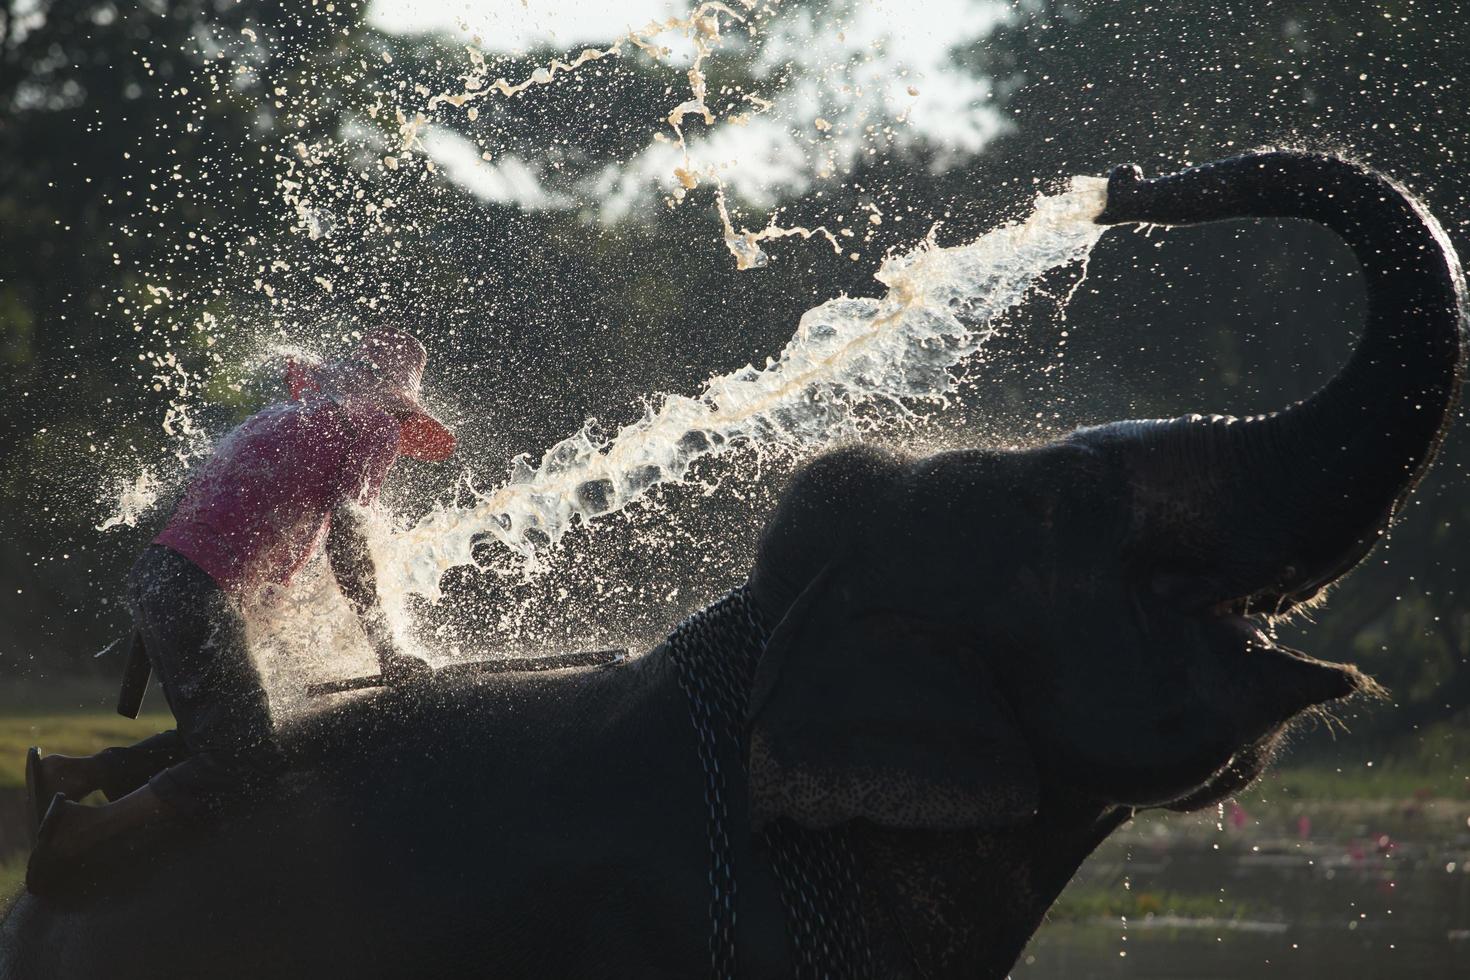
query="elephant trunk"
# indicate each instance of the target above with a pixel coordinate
(1270, 509)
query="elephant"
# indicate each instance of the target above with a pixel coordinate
(945, 680)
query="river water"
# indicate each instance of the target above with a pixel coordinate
(1310, 891)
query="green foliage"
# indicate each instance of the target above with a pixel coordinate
(1408, 767)
(95, 126)
(1090, 902)
(1389, 779)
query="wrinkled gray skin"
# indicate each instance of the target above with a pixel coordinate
(984, 661)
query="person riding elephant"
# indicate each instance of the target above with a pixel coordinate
(280, 486)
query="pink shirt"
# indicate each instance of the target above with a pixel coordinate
(262, 504)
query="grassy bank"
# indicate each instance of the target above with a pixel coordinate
(1386, 780)
(1090, 902)
(1430, 764)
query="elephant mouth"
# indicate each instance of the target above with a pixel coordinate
(1246, 629)
(1241, 627)
(1235, 618)
(1249, 632)
(1291, 680)
(1254, 688)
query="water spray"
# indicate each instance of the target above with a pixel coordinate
(898, 350)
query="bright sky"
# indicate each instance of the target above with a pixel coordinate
(509, 25)
(855, 67)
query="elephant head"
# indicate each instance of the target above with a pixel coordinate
(964, 636)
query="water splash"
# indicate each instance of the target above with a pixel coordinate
(131, 499)
(847, 355)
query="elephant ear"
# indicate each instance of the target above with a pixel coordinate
(861, 711)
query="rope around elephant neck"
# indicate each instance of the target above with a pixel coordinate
(715, 652)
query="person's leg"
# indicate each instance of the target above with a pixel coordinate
(123, 768)
(196, 639)
(224, 721)
(117, 771)
(71, 829)
(114, 771)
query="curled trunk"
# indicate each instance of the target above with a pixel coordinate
(1272, 508)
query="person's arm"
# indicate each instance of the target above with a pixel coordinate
(352, 566)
